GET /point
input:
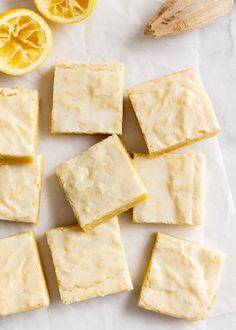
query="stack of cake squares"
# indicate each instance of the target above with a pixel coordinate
(104, 181)
(21, 167)
(22, 281)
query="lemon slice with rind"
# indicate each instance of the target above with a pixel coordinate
(65, 11)
(25, 41)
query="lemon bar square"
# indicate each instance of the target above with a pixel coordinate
(18, 125)
(22, 282)
(181, 278)
(20, 188)
(176, 186)
(173, 111)
(101, 182)
(87, 98)
(89, 265)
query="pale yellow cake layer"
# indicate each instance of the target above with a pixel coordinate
(20, 188)
(181, 278)
(176, 186)
(89, 265)
(18, 125)
(173, 111)
(122, 209)
(87, 98)
(22, 281)
(101, 182)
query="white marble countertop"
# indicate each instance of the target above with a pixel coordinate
(217, 49)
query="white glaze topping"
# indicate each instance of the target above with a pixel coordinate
(22, 283)
(18, 122)
(101, 182)
(88, 98)
(20, 187)
(173, 111)
(89, 264)
(182, 278)
(176, 185)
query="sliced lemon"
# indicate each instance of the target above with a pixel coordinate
(25, 41)
(65, 11)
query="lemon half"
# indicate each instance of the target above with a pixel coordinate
(25, 41)
(65, 11)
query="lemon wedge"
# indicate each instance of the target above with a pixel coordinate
(25, 41)
(65, 11)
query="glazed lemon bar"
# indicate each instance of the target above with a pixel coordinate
(20, 187)
(22, 282)
(18, 125)
(176, 186)
(88, 98)
(89, 265)
(181, 279)
(101, 182)
(173, 111)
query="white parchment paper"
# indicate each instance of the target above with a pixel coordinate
(114, 32)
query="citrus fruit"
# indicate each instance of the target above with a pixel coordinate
(25, 41)
(65, 11)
